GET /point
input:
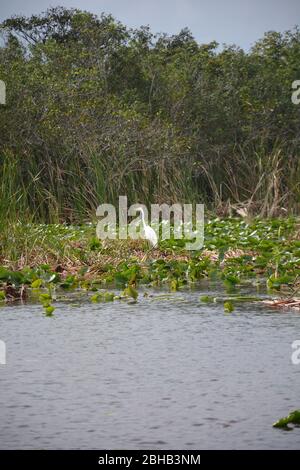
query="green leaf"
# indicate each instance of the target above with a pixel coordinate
(292, 418)
(49, 310)
(45, 297)
(131, 292)
(228, 307)
(174, 285)
(109, 296)
(37, 283)
(207, 298)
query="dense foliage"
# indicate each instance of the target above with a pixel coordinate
(95, 110)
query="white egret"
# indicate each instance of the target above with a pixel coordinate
(148, 232)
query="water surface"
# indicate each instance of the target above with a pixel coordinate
(161, 374)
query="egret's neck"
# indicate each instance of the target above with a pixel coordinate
(143, 219)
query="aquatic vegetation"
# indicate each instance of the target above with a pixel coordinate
(130, 292)
(103, 297)
(292, 418)
(228, 306)
(49, 309)
(207, 299)
(47, 258)
(37, 283)
(106, 296)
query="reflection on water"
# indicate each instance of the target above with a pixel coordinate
(163, 373)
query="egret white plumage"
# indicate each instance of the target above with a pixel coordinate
(148, 233)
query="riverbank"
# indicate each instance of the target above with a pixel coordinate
(235, 251)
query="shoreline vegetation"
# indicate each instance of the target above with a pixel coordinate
(38, 260)
(95, 110)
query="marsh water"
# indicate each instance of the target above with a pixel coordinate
(168, 372)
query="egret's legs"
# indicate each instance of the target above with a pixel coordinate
(147, 253)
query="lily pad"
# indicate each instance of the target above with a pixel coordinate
(292, 418)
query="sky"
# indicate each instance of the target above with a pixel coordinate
(239, 22)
